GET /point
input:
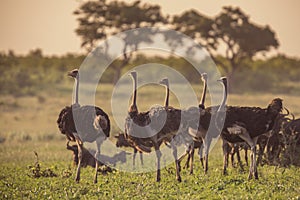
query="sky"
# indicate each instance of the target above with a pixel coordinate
(50, 24)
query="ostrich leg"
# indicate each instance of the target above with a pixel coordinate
(233, 152)
(141, 158)
(97, 155)
(192, 159)
(252, 143)
(238, 155)
(225, 148)
(158, 156)
(99, 141)
(181, 158)
(186, 165)
(133, 157)
(246, 157)
(200, 153)
(206, 144)
(80, 146)
(178, 177)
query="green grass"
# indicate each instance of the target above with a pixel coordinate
(28, 124)
(16, 182)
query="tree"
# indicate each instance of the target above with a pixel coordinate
(100, 19)
(197, 26)
(242, 38)
(231, 29)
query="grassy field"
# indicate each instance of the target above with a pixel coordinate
(28, 124)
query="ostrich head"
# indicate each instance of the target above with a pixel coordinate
(204, 77)
(164, 81)
(223, 80)
(121, 140)
(275, 106)
(73, 73)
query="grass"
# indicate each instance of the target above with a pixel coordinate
(16, 182)
(28, 124)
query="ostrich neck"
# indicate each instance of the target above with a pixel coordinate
(134, 92)
(76, 89)
(222, 106)
(203, 94)
(167, 96)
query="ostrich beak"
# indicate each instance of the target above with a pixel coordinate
(73, 73)
(222, 79)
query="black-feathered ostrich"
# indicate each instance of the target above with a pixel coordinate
(91, 124)
(285, 133)
(160, 124)
(262, 142)
(245, 124)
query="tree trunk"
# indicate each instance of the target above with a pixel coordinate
(231, 77)
(117, 75)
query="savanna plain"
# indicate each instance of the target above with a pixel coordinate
(28, 126)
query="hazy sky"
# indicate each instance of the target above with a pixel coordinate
(50, 24)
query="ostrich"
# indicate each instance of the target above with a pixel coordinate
(160, 123)
(195, 144)
(191, 145)
(88, 158)
(141, 119)
(262, 142)
(198, 143)
(245, 124)
(93, 124)
(122, 142)
(286, 132)
(198, 129)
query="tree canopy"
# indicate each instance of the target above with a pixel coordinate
(231, 29)
(100, 19)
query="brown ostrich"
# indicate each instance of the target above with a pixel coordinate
(92, 124)
(158, 125)
(198, 129)
(198, 144)
(190, 145)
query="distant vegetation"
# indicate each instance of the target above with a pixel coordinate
(243, 40)
(27, 74)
